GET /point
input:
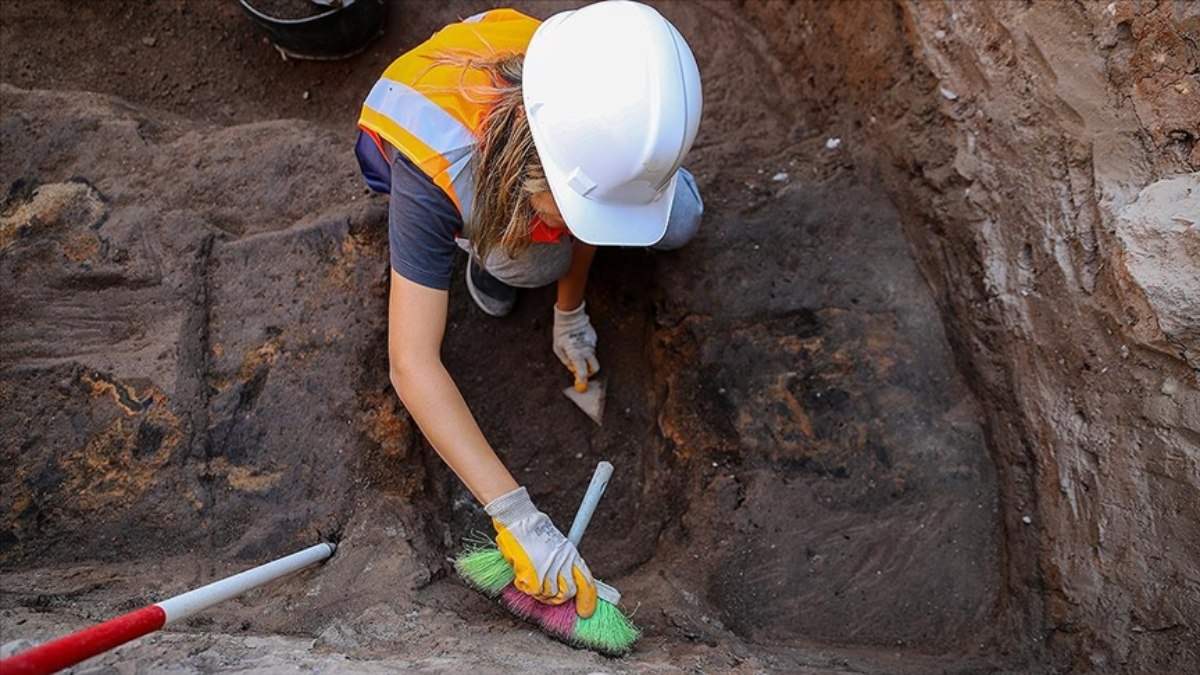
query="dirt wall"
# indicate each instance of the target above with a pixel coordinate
(1043, 156)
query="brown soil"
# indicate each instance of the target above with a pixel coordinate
(909, 403)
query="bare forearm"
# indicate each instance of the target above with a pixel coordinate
(438, 408)
(571, 288)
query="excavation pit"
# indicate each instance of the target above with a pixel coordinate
(866, 421)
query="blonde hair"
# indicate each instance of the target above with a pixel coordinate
(507, 169)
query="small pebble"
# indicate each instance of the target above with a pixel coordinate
(1026, 519)
(149, 40)
(948, 95)
(832, 143)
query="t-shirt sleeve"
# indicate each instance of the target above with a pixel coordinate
(422, 225)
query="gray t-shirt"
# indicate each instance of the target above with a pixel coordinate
(422, 225)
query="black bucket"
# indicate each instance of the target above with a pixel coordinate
(333, 34)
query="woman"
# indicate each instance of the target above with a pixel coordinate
(526, 144)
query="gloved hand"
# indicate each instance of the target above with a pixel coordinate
(575, 344)
(545, 563)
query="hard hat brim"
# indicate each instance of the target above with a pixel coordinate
(609, 224)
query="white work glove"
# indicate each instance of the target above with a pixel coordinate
(575, 344)
(545, 563)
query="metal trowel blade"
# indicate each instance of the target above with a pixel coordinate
(591, 402)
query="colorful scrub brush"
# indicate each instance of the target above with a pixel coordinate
(607, 631)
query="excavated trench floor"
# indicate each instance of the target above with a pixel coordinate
(194, 379)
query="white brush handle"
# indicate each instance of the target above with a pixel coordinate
(595, 491)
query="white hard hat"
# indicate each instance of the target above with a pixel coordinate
(612, 93)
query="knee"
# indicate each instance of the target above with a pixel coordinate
(686, 211)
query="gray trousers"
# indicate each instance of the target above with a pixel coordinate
(542, 264)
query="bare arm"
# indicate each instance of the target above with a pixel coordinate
(416, 324)
(572, 286)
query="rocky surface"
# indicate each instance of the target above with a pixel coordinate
(1159, 234)
(921, 396)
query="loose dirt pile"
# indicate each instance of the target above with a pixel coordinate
(848, 436)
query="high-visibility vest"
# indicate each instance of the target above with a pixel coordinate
(418, 107)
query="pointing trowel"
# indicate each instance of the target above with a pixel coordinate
(590, 401)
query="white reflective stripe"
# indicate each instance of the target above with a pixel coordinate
(476, 18)
(462, 177)
(418, 115)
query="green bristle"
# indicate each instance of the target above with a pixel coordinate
(485, 569)
(606, 631)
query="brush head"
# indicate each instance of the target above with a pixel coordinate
(607, 631)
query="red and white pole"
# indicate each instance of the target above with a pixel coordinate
(71, 649)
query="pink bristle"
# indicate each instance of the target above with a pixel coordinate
(524, 606)
(559, 620)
